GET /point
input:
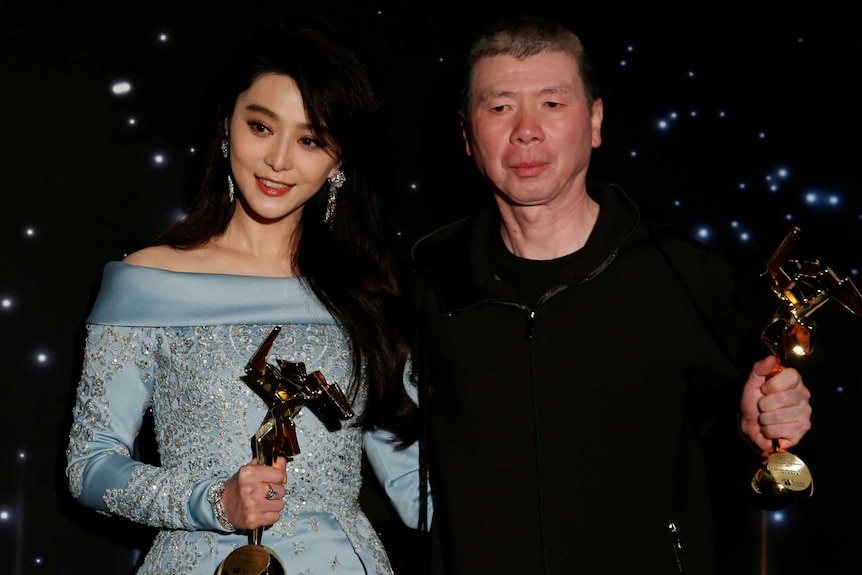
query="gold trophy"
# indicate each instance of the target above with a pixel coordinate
(286, 388)
(801, 287)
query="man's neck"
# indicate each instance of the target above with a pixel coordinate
(548, 232)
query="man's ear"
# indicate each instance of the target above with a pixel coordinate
(465, 133)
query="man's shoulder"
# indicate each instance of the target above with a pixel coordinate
(455, 239)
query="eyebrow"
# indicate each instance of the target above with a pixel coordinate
(269, 113)
(547, 91)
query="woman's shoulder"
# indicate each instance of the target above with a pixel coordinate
(163, 257)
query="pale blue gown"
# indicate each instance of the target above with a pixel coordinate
(177, 344)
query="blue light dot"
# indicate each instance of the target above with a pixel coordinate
(623, 63)
(722, 114)
(762, 135)
(630, 48)
(788, 217)
(783, 172)
(744, 237)
(677, 203)
(662, 124)
(839, 389)
(734, 224)
(691, 74)
(742, 185)
(778, 516)
(703, 233)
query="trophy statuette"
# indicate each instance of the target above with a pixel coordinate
(286, 388)
(802, 287)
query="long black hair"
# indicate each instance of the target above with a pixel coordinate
(348, 263)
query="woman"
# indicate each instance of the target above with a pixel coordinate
(285, 232)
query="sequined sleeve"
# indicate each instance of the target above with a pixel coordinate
(113, 395)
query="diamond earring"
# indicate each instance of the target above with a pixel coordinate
(335, 182)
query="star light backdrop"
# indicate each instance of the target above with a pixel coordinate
(734, 127)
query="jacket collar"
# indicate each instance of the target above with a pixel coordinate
(457, 258)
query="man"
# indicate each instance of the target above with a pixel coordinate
(578, 365)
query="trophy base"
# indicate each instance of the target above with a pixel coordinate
(251, 560)
(782, 473)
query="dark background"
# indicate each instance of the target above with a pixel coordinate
(763, 125)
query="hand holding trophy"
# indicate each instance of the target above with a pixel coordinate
(286, 388)
(801, 288)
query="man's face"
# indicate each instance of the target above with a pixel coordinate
(530, 129)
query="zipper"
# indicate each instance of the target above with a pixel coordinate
(676, 545)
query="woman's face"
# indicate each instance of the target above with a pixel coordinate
(277, 162)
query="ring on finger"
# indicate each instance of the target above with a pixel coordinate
(272, 493)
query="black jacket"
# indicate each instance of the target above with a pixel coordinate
(579, 433)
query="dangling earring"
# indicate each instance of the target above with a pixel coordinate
(224, 148)
(335, 182)
(230, 189)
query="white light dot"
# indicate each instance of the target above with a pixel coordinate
(691, 73)
(42, 358)
(30, 232)
(7, 303)
(788, 217)
(662, 124)
(159, 159)
(734, 224)
(677, 203)
(778, 517)
(163, 37)
(4, 515)
(132, 121)
(624, 63)
(703, 233)
(633, 154)
(762, 135)
(742, 185)
(121, 88)
(693, 113)
(722, 114)
(744, 236)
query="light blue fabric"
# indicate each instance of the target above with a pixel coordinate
(177, 344)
